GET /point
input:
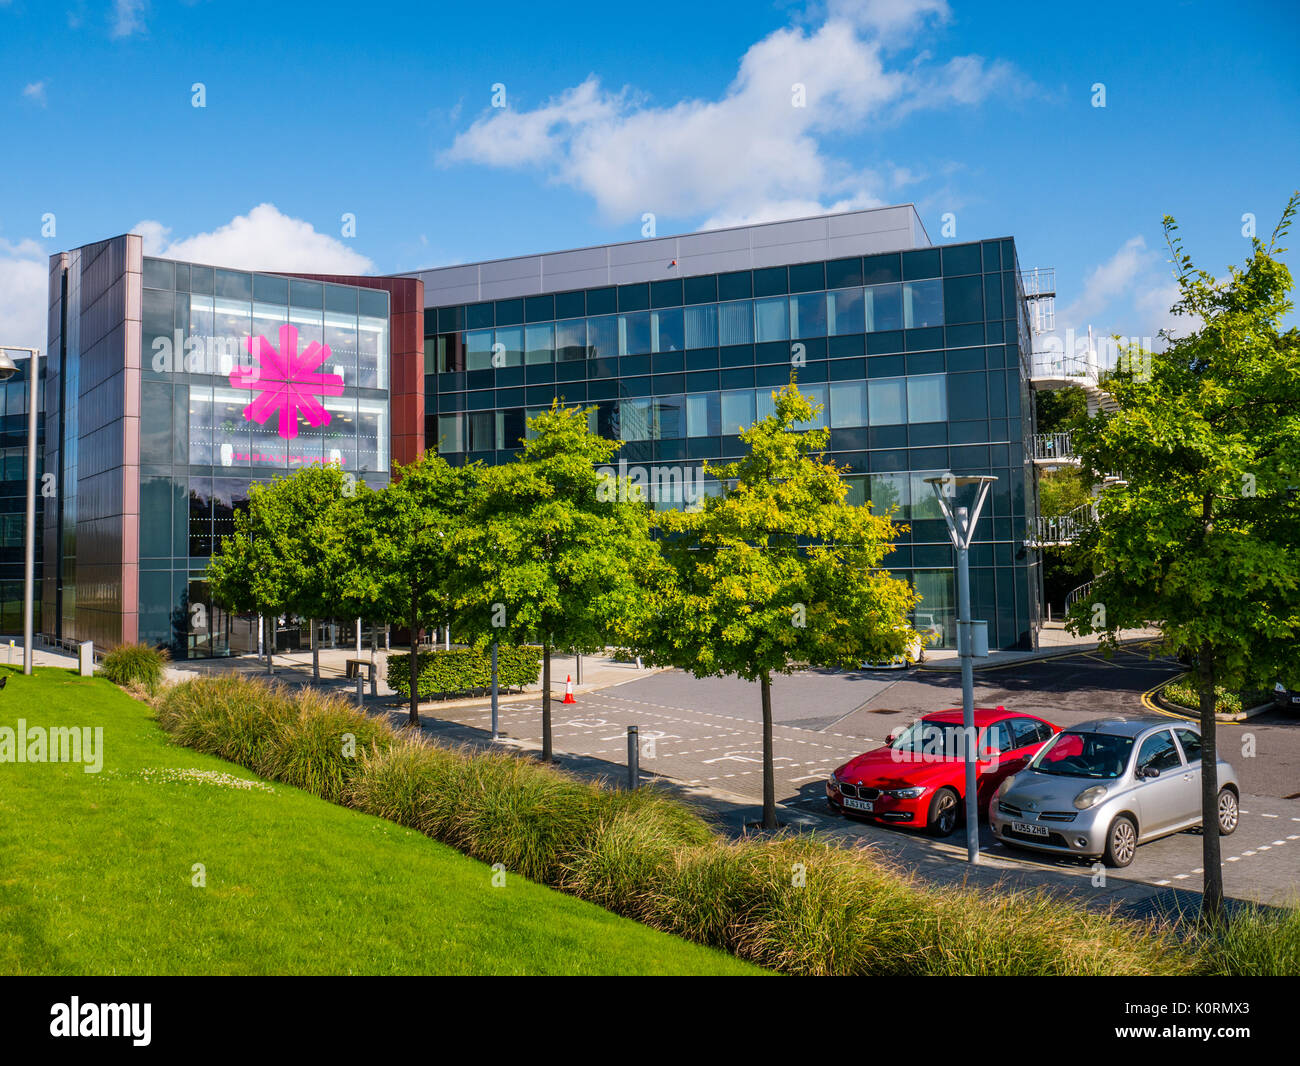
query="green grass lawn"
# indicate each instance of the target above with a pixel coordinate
(96, 870)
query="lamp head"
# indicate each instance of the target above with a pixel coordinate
(961, 498)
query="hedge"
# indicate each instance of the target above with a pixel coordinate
(460, 670)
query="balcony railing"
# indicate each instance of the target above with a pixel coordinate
(1065, 528)
(1048, 446)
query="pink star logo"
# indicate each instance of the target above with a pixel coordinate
(287, 382)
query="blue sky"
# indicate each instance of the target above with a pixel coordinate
(313, 110)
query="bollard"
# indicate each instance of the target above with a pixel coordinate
(495, 734)
(633, 757)
(361, 689)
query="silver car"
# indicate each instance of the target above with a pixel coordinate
(1104, 787)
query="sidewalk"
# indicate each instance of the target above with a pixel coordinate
(1053, 642)
(598, 671)
(40, 656)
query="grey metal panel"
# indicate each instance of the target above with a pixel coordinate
(881, 229)
(803, 231)
(510, 269)
(651, 250)
(575, 279)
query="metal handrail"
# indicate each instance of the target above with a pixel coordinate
(1053, 446)
(1065, 528)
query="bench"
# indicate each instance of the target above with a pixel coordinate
(355, 666)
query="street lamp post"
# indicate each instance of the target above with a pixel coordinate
(8, 368)
(961, 499)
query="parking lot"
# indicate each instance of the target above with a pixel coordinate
(704, 737)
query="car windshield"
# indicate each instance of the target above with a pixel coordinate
(931, 738)
(1083, 755)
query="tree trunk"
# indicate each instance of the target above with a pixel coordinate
(769, 771)
(315, 651)
(1211, 863)
(414, 717)
(270, 643)
(547, 754)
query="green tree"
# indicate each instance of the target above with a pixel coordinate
(778, 573)
(1061, 410)
(406, 547)
(548, 552)
(290, 551)
(1204, 538)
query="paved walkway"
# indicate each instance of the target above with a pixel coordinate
(597, 672)
(1053, 640)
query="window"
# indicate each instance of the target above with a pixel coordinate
(511, 346)
(927, 398)
(701, 326)
(634, 419)
(925, 504)
(963, 299)
(666, 331)
(736, 323)
(890, 492)
(602, 337)
(1027, 732)
(1158, 753)
(737, 411)
(451, 436)
(848, 404)
(539, 343)
(887, 401)
(844, 312)
(634, 334)
(482, 431)
(772, 319)
(884, 307)
(670, 423)
(922, 304)
(703, 415)
(478, 349)
(816, 396)
(1191, 743)
(571, 339)
(808, 315)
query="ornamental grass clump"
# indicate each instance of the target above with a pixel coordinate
(135, 664)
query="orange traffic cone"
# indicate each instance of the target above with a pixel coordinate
(568, 689)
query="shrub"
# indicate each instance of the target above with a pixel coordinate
(458, 670)
(134, 664)
(1182, 692)
(796, 903)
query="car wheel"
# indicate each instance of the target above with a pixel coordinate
(1227, 812)
(1121, 842)
(944, 809)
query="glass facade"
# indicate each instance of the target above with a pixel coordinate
(201, 441)
(13, 494)
(918, 358)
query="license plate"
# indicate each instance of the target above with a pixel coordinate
(1030, 828)
(859, 805)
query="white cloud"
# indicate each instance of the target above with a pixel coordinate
(1130, 294)
(24, 293)
(128, 18)
(35, 91)
(1107, 282)
(751, 151)
(263, 239)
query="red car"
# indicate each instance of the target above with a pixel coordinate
(918, 779)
